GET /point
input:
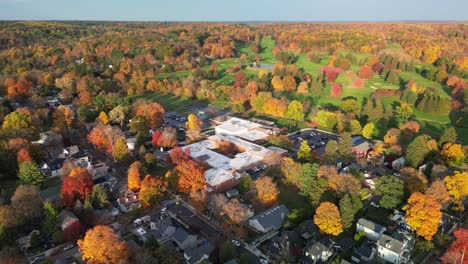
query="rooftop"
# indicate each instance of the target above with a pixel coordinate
(370, 225)
(273, 217)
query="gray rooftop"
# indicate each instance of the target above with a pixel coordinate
(273, 217)
(196, 254)
(370, 225)
(391, 244)
(180, 235)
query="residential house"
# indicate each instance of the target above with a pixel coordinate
(164, 226)
(318, 252)
(373, 231)
(25, 242)
(128, 202)
(365, 253)
(398, 163)
(271, 219)
(396, 248)
(66, 219)
(184, 240)
(360, 146)
(198, 254)
(307, 230)
(232, 193)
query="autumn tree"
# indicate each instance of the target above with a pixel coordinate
(267, 191)
(350, 204)
(169, 137)
(327, 218)
(23, 155)
(17, 121)
(193, 126)
(29, 173)
(423, 214)
(120, 150)
(134, 177)
(27, 202)
(304, 153)
(456, 252)
(177, 154)
(102, 245)
(103, 118)
(77, 186)
(365, 72)
(51, 218)
(391, 190)
(74, 231)
(345, 142)
(290, 170)
(457, 186)
(404, 110)
(118, 115)
(152, 112)
(156, 138)
(368, 130)
(344, 184)
(295, 111)
(190, 176)
(152, 190)
(453, 154)
(439, 192)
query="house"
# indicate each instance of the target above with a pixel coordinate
(360, 146)
(318, 252)
(349, 168)
(164, 226)
(271, 219)
(198, 254)
(307, 230)
(232, 193)
(67, 218)
(373, 231)
(365, 253)
(398, 163)
(184, 240)
(396, 248)
(130, 143)
(25, 242)
(128, 202)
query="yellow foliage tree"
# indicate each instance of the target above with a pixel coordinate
(423, 214)
(102, 246)
(193, 126)
(453, 153)
(277, 83)
(457, 186)
(103, 118)
(134, 180)
(267, 190)
(327, 218)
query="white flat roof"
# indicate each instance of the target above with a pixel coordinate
(243, 160)
(216, 176)
(235, 125)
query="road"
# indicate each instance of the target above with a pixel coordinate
(216, 235)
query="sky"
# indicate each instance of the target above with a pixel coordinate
(239, 10)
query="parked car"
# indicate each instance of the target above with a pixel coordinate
(236, 243)
(68, 247)
(263, 261)
(375, 205)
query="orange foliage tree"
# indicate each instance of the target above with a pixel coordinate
(102, 246)
(267, 191)
(423, 214)
(190, 176)
(76, 186)
(439, 192)
(152, 190)
(344, 183)
(23, 155)
(133, 176)
(327, 218)
(153, 113)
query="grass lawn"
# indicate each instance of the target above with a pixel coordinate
(170, 102)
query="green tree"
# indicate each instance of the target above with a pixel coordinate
(405, 111)
(345, 142)
(417, 150)
(310, 185)
(350, 105)
(295, 111)
(51, 218)
(245, 183)
(326, 119)
(391, 190)
(29, 173)
(368, 130)
(350, 204)
(304, 153)
(138, 125)
(331, 151)
(449, 136)
(227, 252)
(120, 150)
(99, 197)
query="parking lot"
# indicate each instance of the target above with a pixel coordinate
(315, 139)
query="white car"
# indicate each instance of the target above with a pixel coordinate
(236, 243)
(263, 261)
(68, 247)
(375, 205)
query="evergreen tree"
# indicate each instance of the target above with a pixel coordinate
(245, 183)
(29, 173)
(449, 136)
(51, 218)
(310, 185)
(417, 150)
(345, 142)
(350, 204)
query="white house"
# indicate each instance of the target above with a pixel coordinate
(396, 248)
(373, 231)
(318, 252)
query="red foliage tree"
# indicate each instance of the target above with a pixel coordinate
(23, 155)
(377, 67)
(331, 73)
(177, 155)
(459, 247)
(74, 231)
(365, 72)
(191, 176)
(240, 80)
(76, 186)
(335, 90)
(358, 82)
(156, 140)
